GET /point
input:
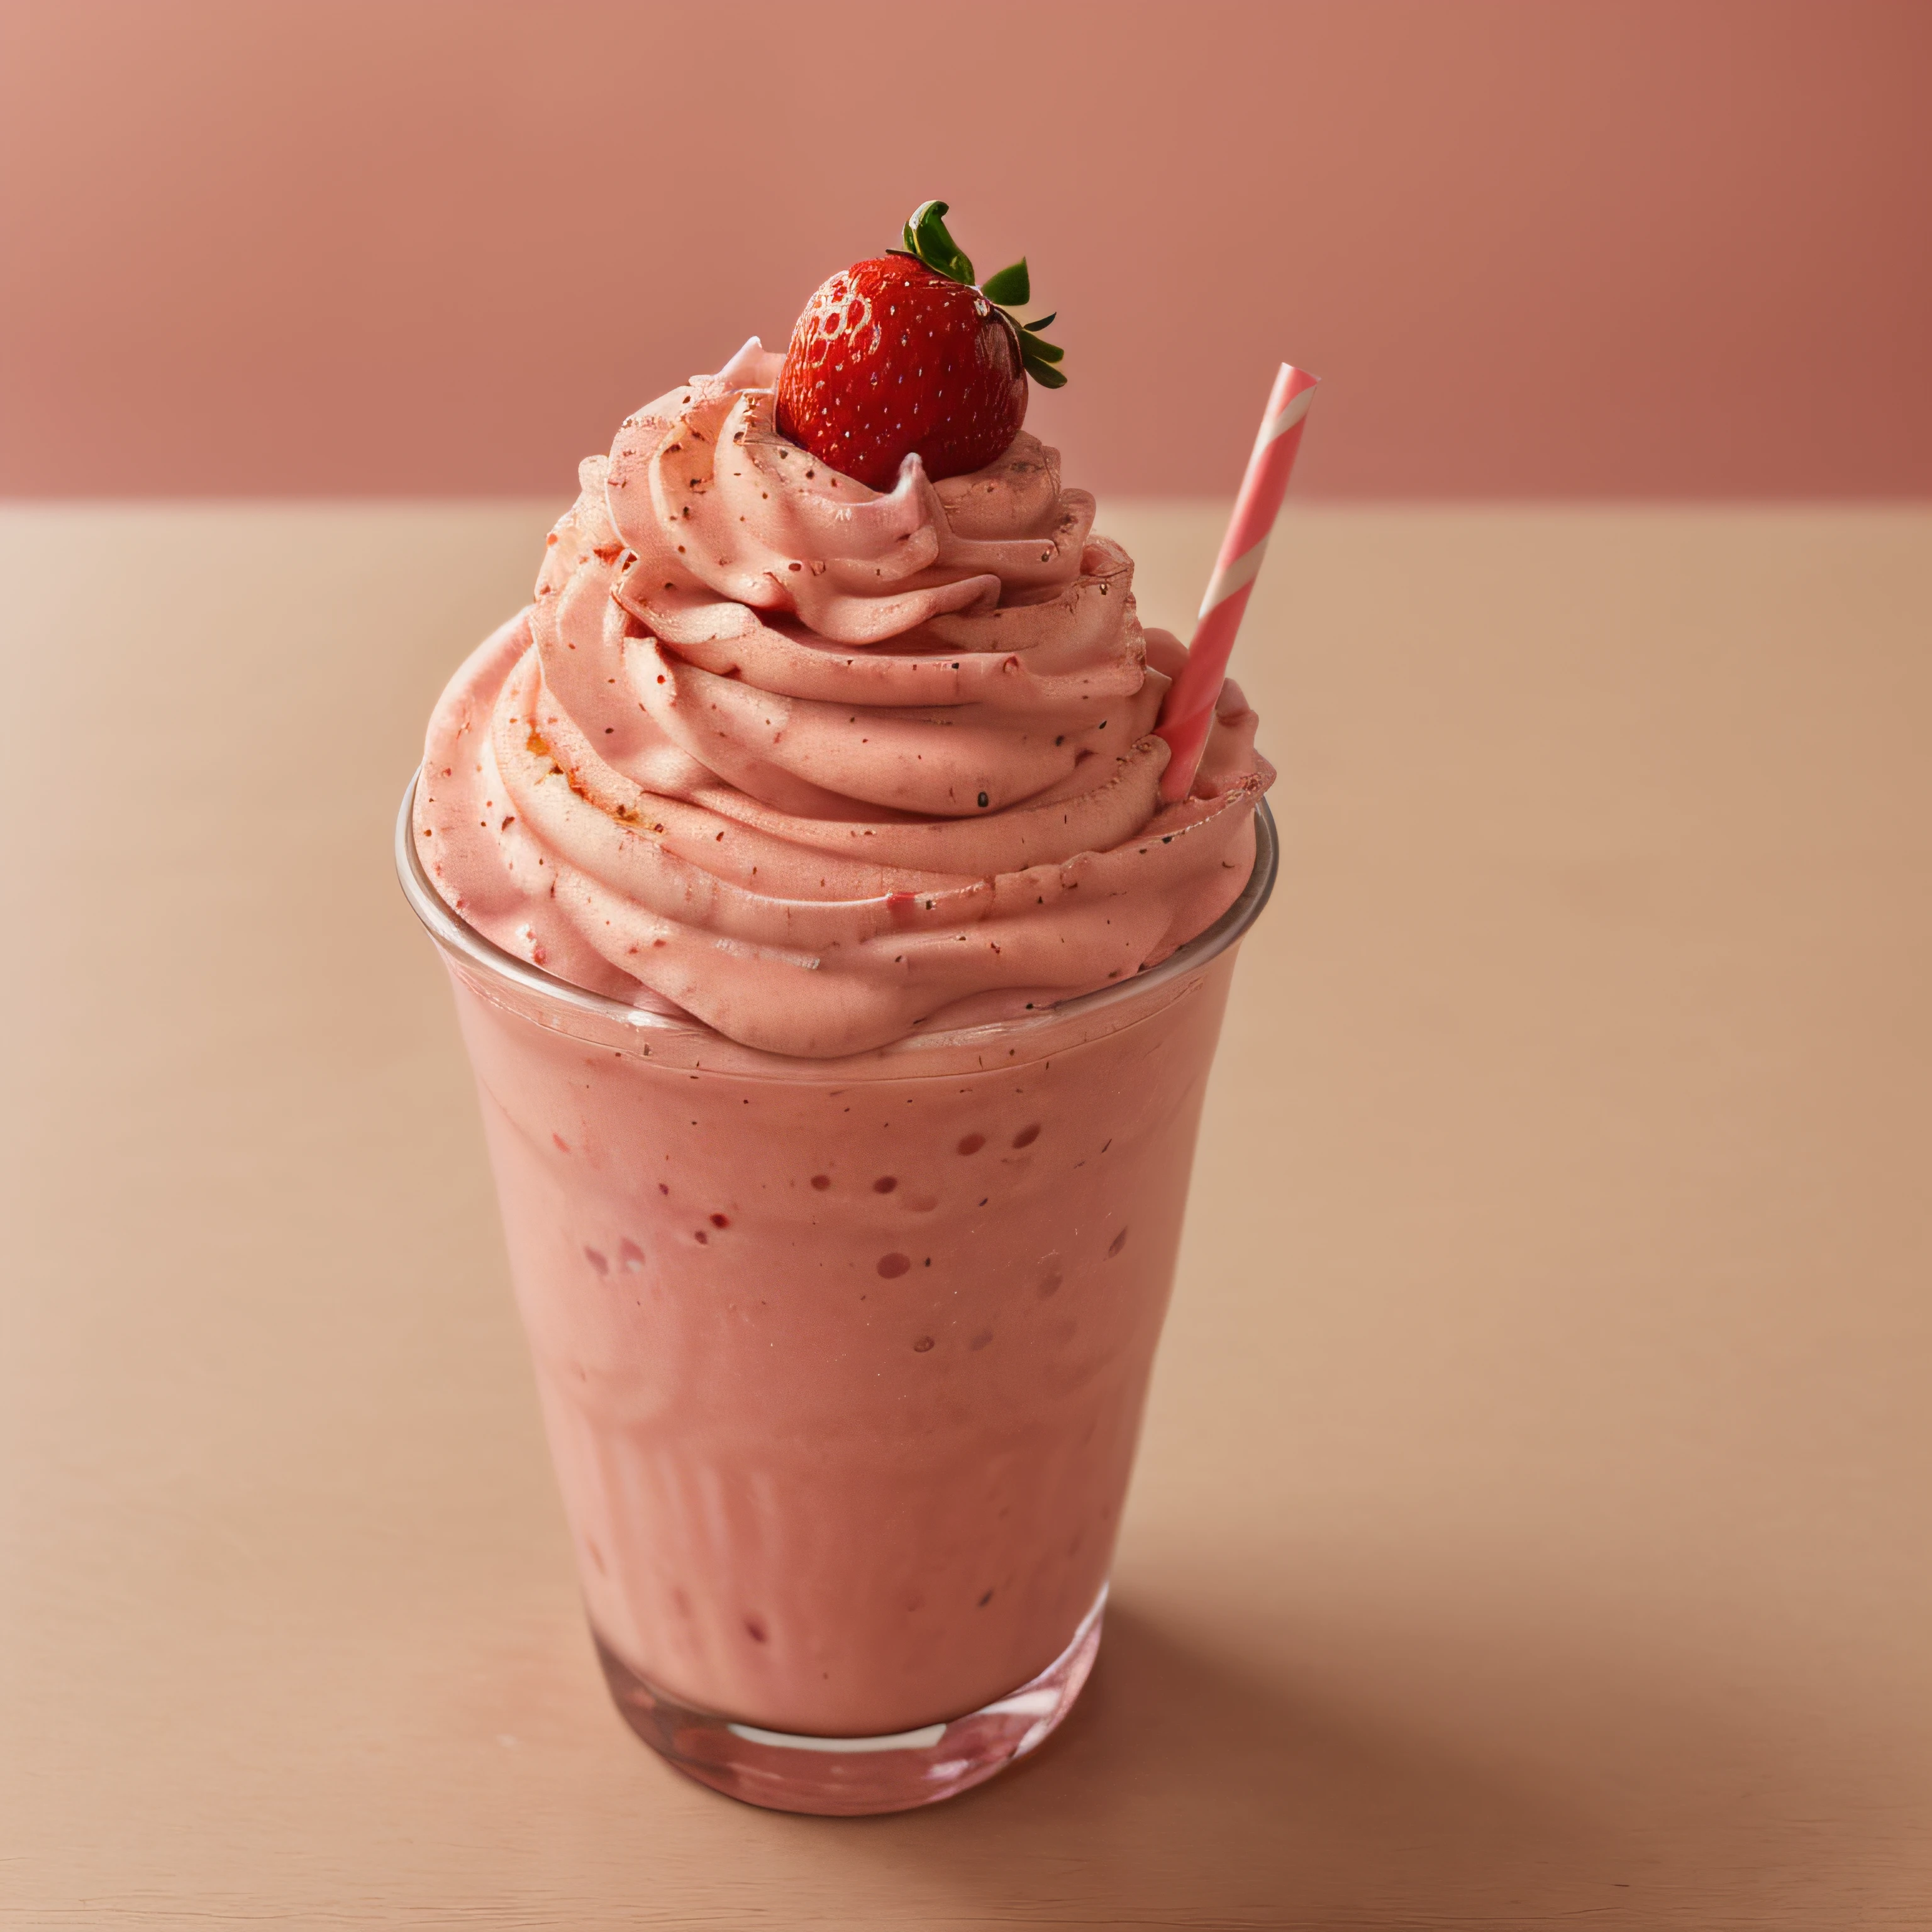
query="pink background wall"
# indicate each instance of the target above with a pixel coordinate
(1653, 247)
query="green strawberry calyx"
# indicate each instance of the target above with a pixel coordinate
(928, 242)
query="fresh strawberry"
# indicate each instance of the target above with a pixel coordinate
(904, 354)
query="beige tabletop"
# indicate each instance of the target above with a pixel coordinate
(1531, 1527)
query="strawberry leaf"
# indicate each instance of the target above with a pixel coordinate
(1010, 287)
(1038, 358)
(926, 237)
(928, 241)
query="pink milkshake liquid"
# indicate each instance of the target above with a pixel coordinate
(842, 1362)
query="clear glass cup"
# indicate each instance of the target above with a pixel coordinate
(842, 1362)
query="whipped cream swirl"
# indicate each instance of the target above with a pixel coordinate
(820, 766)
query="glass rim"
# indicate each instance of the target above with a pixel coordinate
(456, 935)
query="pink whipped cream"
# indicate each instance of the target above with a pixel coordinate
(820, 766)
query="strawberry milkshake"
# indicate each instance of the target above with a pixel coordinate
(841, 995)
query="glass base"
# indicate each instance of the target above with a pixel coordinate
(852, 1777)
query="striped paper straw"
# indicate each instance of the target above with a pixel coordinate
(1188, 714)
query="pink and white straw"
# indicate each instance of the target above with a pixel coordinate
(1188, 714)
